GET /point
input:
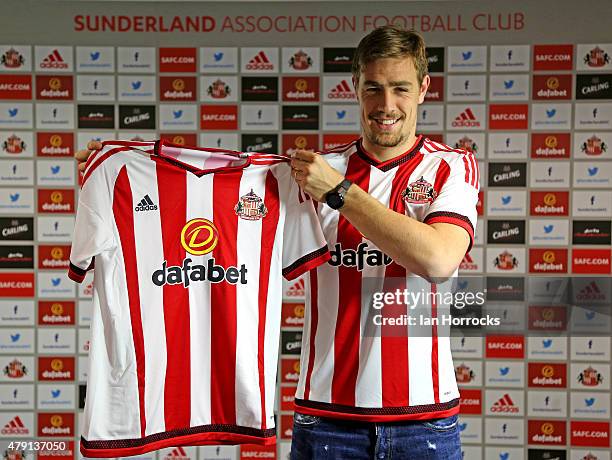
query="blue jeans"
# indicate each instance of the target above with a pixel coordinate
(318, 438)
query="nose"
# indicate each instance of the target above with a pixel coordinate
(387, 101)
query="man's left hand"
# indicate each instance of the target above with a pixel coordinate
(314, 174)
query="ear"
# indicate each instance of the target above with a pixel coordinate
(423, 89)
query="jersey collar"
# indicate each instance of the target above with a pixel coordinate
(392, 162)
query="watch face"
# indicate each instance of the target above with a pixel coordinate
(334, 200)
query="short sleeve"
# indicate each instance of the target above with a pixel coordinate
(93, 232)
(304, 246)
(456, 201)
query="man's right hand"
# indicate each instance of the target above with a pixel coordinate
(82, 155)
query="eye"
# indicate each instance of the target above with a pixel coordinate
(372, 89)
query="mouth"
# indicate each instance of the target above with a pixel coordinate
(386, 124)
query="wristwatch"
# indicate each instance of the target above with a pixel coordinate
(335, 197)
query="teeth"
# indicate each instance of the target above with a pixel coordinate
(387, 122)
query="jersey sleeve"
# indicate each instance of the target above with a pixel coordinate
(93, 231)
(456, 201)
(304, 246)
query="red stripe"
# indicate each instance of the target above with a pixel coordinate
(441, 175)
(346, 341)
(467, 166)
(435, 372)
(226, 190)
(172, 186)
(314, 321)
(268, 234)
(394, 339)
(91, 167)
(123, 210)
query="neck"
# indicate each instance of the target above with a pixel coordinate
(382, 153)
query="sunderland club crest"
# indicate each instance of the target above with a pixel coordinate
(250, 207)
(419, 192)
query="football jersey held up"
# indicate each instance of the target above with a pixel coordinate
(189, 248)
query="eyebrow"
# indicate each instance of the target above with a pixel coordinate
(391, 83)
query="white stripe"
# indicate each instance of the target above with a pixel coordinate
(248, 250)
(199, 205)
(368, 391)
(149, 254)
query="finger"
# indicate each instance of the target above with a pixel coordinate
(82, 155)
(94, 145)
(305, 155)
(297, 163)
(82, 166)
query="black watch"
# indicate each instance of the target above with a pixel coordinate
(335, 197)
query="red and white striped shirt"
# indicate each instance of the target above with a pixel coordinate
(189, 249)
(349, 370)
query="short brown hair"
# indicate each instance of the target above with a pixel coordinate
(391, 42)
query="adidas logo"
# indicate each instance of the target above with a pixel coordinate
(341, 91)
(505, 404)
(296, 289)
(15, 426)
(146, 204)
(260, 62)
(591, 292)
(177, 453)
(466, 119)
(54, 61)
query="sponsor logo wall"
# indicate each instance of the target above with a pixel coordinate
(537, 117)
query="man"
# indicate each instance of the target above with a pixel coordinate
(393, 206)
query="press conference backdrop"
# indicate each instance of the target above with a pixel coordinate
(526, 86)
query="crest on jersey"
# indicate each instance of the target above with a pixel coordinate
(250, 207)
(419, 192)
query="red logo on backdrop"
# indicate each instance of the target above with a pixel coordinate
(177, 60)
(16, 284)
(15, 369)
(53, 256)
(13, 144)
(550, 145)
(55, 144)
(56, 424)
(470, 401)
(548, 318)
(590, 434)
(505, 346)
(468, 264)
(224, 117)
(508, 116)
(300, 89)
(435, 92)
(290, 370)
(54, 454)
(549, 203)
(56, 201)
(286, 426)
(546, 432)
(15, 87)
(591, 261)
(287, 398)
(292, 142)
(551, 87)
(480, 203)
(547, 260)
(332, 141)
(250, 451)
(188, 139)
(593, 146)
(57, 368)
(56, 312)
(553, 57)
(547, 375)
(464, 374)
(344, 91)
(292, 315)
(177, 88)
(58, 87)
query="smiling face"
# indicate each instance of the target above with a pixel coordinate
(389, 95)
